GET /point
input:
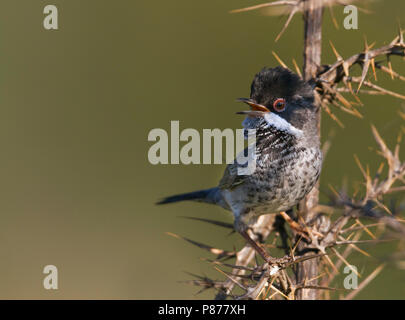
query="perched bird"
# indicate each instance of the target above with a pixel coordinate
(288, 156)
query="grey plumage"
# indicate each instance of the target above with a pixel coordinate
(288, 157)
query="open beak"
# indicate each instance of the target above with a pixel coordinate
(257, 110)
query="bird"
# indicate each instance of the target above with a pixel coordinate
(288, 158)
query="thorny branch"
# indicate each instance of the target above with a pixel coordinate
(330, 241)
(292, 7)
(330, 78)
(264, 281)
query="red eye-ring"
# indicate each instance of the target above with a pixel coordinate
(279, 105)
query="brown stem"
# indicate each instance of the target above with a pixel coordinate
(312, 60)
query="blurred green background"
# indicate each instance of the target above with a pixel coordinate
(77, 104)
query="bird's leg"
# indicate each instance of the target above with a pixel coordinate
(257, 246)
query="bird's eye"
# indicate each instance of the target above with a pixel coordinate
(279, 105)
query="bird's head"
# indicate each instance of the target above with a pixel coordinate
(282, 100)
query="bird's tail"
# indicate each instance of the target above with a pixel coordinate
(211, 195)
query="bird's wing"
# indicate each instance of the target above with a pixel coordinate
(231, 179)
(270, 143)
(237, 173)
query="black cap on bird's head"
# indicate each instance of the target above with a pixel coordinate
(273, 83)
(283, 99)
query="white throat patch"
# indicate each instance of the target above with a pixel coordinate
(279, 123)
